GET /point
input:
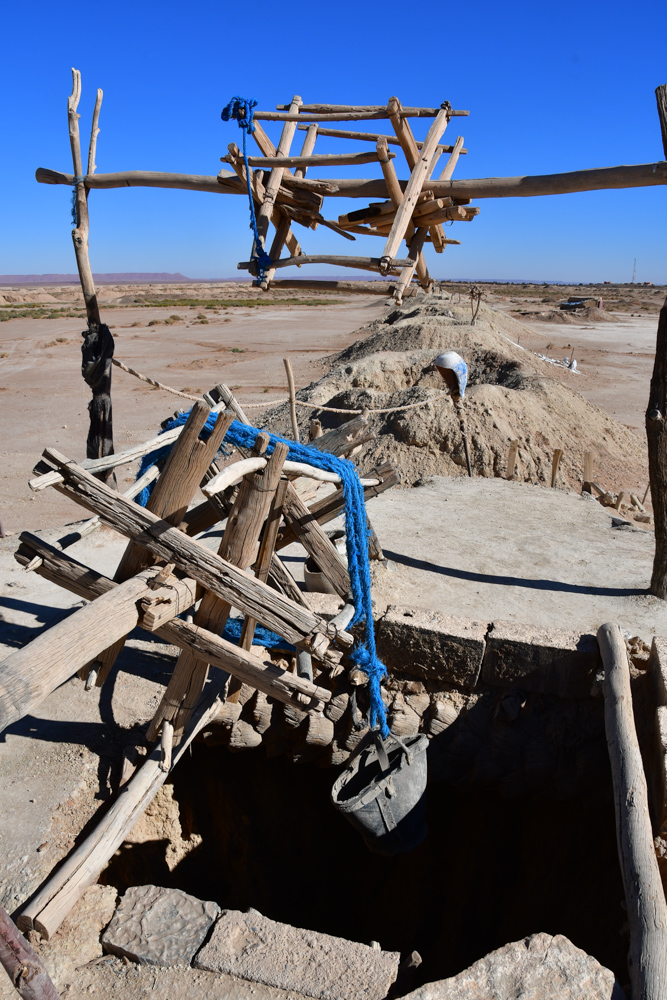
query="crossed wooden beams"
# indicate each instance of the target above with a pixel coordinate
(410, 213)
(165, 571)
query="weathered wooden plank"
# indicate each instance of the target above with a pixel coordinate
(249, 595)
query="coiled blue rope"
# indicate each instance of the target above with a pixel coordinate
(364, 653)
(240, 109)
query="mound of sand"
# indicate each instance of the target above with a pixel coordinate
(512, 395)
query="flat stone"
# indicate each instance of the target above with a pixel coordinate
(539, 967)
(251, 946)
(431, 646)
(551, 661)
(156, 926)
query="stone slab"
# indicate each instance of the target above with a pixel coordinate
(430, 645)
(551, 661)
(156, 926)
(539, 967)
(251, 946)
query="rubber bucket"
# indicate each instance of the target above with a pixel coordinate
(382, 793)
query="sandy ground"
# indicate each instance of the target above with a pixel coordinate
(44, 399)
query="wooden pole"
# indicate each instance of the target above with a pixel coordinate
(238, 547)
(644, 894)
(23, 966)
(98, 345)
(555, 465)
(661, 98)
(656, 433)
(275, 177)
(292, 398)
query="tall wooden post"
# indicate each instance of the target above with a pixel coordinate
(656, 433)
(661, 98)
(98, 344)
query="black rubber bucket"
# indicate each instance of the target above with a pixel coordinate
(381, 793)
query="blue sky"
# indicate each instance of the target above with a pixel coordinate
(549, 88)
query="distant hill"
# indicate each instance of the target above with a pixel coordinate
(101, 279)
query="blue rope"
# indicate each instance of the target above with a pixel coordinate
(364, 653)
(240, 108)
(262, 637)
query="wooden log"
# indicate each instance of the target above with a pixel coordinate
(316, 160)
(337, 133)
(363, 263)
(185, 467)
(411, 112)
(644, 894)
(250, 596)
(81, 230)
(267, 545)
(282, 228)
(415, 184)
(63, 570)
(30, 674)
(555, 465)
(276, 175)
(23, 966)
(184, 470)
(292, 397)
(348, 115)
(414, 254)
(55, 899)
(91, 524)
(596, 179)
(656, 433)
(316, 542)
(661, 99)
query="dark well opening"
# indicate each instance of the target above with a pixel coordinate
(492, 870)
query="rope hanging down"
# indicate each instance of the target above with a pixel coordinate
(240, 109)
(364, 653)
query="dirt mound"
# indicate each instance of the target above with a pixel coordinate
(591, 314)
(512, 395)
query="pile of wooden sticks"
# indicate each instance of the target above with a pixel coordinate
(412, 212)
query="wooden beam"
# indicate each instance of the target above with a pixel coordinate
(363, 263)
(23, 966)
(225, 580)
(644, 893)
(317, 160)
(338, 133)
(531, 186)
(316, 543)
(414, 186)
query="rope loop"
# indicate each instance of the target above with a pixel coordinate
(240, 109)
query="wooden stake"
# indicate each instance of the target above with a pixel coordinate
(292, 397)
(267, 547)
(555, 464)
(589, 458)
(661, 98)
(511, 459)
(275, 177)
(23, 966)
(644, 894)
(656, 433)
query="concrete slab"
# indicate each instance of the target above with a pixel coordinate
(490, 549)
(253, 947)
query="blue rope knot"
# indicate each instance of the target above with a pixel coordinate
(241, 110)
(364, 653)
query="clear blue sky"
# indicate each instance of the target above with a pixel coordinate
(550, 87)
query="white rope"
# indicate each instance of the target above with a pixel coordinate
(276, 402)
